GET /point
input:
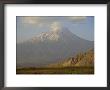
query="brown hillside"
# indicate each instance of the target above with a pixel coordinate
(85, 59)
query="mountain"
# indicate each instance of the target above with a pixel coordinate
(84, 59)
(50, 47)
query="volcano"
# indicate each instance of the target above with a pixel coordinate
(50, 47)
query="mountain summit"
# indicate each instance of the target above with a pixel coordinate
(50, 47)
(52, 35)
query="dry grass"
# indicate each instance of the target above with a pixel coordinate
(63, 70)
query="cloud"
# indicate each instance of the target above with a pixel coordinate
(55, 26)
(78, 18)
(32, 20)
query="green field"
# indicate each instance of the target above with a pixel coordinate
(60, 70)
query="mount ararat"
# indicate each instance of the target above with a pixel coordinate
(50, 47)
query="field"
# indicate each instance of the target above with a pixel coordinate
(59, 70)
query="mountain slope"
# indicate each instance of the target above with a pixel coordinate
(85, 59)
(50, 47)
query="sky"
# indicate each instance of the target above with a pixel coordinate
(30, 26)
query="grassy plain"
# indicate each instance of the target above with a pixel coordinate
(59, 70)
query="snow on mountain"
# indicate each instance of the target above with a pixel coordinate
(46, 36)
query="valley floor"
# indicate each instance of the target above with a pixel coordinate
(59, 70)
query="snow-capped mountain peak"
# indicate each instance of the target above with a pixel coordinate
(51, 35)
(48, 36)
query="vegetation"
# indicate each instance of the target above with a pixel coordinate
(65, 70)
(82, 63)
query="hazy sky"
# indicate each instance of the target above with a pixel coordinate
(29, 26)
